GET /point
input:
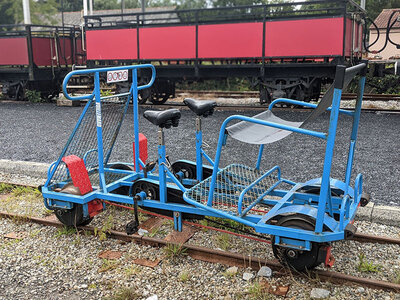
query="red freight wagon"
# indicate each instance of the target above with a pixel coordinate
(289, 49)
(37, 57)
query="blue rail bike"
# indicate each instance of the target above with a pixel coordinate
(303, 218)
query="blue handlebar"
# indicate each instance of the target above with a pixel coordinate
(100, 70)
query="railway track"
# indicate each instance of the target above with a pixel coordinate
(224, 107)
(255, 94)
(233, 259)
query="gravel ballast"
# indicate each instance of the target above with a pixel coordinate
(38, 132)
(51, 263)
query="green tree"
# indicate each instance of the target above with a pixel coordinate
(42, 11)
(375, 7)
(70, 5)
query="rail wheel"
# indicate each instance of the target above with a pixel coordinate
(159, 98)
(144, 95)
(152, 190)
(74, 216)
(188, 170)
(299, 260)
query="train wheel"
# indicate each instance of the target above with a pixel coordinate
(144, 95)
(152, 191)
(74, 216)
(159, 98)
(299, 260)
(188, 170)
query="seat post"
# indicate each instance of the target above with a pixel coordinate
(161, 165)
(199, 154)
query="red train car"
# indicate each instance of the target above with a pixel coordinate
(37, 57)
(287, 52)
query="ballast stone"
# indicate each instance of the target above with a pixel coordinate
(247, 276)
(232, 270)
(317, 293)
(264, 272)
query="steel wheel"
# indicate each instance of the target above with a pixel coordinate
(74, 216)
(297, 259)
(150, 189)
(159, 98)
(188, 170)
(144, 95)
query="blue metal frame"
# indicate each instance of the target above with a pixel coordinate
(320, 207)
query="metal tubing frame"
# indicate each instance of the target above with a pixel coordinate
(353, 137)
(199, 150)
(252, 120)
(95, 95)
(306, 104)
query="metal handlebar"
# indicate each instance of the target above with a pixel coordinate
(100, 70)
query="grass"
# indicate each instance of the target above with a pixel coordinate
(23, 190)
(65, 230)
(6, 188)
(173, 251)
(367, 267)
(156, 231)
(184, 276)
(226, 224)
(126, 294)
(259, 292)
(47, 212)
(105, 229)
(108, 265)
(223, 241)
(92, 286)
(132, 270)
(21, 200)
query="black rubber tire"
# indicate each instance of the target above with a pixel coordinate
(304, 260)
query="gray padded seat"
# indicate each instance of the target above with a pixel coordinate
(163, 118)
(203, 108)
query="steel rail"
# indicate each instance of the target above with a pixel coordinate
(223, 257)
(358, 237)
(255, 94)
(260, 108)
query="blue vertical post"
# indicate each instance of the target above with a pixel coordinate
(99, 132)
(325, 196)
(260, 153)
(199, 154)
(136, 117)
(177, 221)
(354, 131)
(161, 167)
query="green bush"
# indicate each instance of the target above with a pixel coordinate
(33, 96)
(389, 84)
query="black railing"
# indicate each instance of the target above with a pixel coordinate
(252, 13)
